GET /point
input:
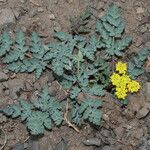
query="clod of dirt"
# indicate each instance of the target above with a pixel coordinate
(46, 78)
(14, 86)
(3, 76)
(92, 142)
(6, 17)
(57, 90)
(147, 91)
(2, 118)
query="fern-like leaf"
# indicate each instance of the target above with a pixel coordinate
(5, 44)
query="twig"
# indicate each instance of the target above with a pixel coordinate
(26, 139)
(67, 121)
(5, 139)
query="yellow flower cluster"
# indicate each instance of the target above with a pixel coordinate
(123, 82)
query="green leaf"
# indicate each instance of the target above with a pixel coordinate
(74, 92)
(97, 90)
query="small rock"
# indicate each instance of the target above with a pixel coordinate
(3, 76)
(36, 2)
(143, 29)
(3, 1)
(140, 10)
(144, 111)
(106, 148)
(57, 26)
(6, 92)
(40, 9)
(123, 1)
(24, 29)
(119, 131)
(92, 141)
(69, 1)
(147, 44)
(51, 16)
(6, 17)
(23, 1)
(149, 142)
(32, 13)
(16, 13)
(148, 26)
(34, 96)
(135, 103)
(101, 14)
(1, 88)
(100, 5)
(62, 145)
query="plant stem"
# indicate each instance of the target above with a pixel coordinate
(78, 67)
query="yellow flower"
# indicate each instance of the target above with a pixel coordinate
(125, 79)
(115, 79)
(123, 82)
(121, 93)
(133, 86)
(121, 67)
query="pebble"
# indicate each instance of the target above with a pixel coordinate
(51, 16)
(106, 148)
(143, 29)
(3, 1)
(140, 10)
(32, 13)
(100, 5)
(40, 9)
(144, 111)
(92, 141)
(24, 29)
(6, 17)
(16, 13)
(57, 26)
(22, 1)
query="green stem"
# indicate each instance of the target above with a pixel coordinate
(78, 67)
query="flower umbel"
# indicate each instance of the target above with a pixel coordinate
(133, 86)
(123, 82)
(121, 67)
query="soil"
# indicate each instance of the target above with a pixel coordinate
(121, 128)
